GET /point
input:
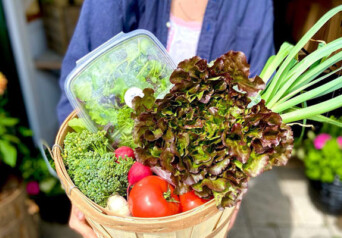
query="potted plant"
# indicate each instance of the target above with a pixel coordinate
(323, 167)
(21, 167)
(14, 216)
(45, 190)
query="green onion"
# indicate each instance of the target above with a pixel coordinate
(304, 104)
(274, 61)
(321, 118)
(292, 76)
(317, 92)
(314, 110)
(303, 65)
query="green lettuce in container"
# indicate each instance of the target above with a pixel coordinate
(104, 82)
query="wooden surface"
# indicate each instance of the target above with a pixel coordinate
(49, 60)
(15, 221)
(303, 14)
(59, 24)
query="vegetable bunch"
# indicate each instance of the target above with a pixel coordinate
(214, 130)
(208, 132)
(93, 169)
(217, 127)
(295, 82)
(100, 90)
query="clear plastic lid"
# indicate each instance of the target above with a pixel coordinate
(105, 81)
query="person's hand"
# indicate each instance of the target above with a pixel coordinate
(232, 220)
(78, 223)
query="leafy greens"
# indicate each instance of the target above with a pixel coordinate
(100, 88)
(210, 132)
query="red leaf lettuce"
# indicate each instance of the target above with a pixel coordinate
(204, 133)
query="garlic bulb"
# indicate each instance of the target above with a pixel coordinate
(118, 205)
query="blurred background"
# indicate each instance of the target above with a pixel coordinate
(303, 199)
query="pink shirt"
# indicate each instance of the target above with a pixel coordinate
(183, 38)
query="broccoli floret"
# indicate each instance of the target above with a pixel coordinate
(92, 168)
(100, 176)
(76, 145)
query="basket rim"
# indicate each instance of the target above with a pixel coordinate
(96, 213)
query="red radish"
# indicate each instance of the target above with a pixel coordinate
(137, 172)
(124, 151)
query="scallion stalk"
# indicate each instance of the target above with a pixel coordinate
(291, 77)
(312, 111)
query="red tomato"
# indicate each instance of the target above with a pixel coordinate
(124, 151)
(153, 197)
(190, 200)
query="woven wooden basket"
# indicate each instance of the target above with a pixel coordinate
(205, 221)
(15, 220)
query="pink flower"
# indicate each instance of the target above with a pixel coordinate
(320, 140)
(32, 188)
(339, 141)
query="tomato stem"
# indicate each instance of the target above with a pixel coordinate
(168, 197)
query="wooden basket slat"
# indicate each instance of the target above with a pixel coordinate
(222, 226)
(226, 213)
(99, 230)
(185, 233)
(223, 232)
(118, 233)
(201, 230)
(199, 222)
(163, 235)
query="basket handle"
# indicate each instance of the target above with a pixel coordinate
(43, 144)
(66, 186)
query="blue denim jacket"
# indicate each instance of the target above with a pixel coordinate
(241, 25)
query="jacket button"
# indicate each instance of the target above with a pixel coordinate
(168, 24)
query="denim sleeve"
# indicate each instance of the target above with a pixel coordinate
(263, 47)
(99, 21)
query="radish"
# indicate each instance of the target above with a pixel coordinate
(124, 151)
(137, 172)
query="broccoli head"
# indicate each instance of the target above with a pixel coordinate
(92, 168)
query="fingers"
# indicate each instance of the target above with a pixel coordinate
(78, 214)
(78, 223)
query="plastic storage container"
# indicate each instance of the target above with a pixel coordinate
(104, 82)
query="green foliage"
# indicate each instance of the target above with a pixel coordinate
(101, 88)
(92, 168)
(10, 137)
(35, 169)
(124, 127)
(15, 153)
(323, 164)
(9, 153)
(211, 132)
(334, 131)
(77, 124)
